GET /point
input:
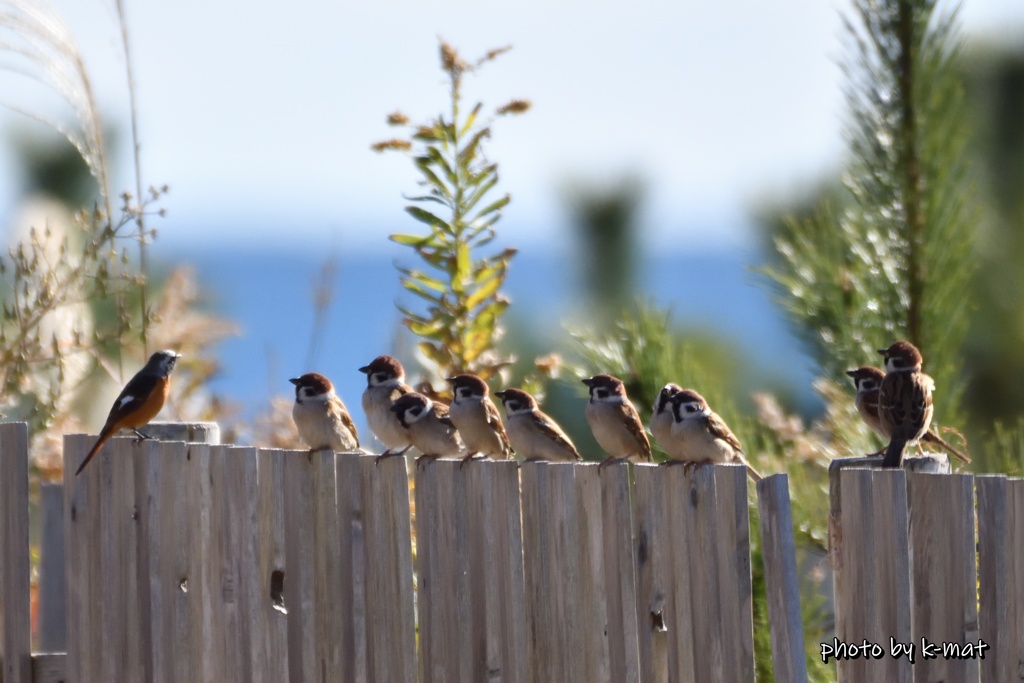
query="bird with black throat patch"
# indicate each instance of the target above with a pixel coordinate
(430, 429)
(385, 383)
(700, 436)
(661, 418)
(477, 419)
(868, 382)
(139, 402)
(904, 400)
(534, 435)
(615, 422)
(320, 415)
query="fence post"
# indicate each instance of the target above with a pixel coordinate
(15, 645)
(778, 549)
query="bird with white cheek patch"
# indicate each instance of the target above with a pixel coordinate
(868, 381)
(904, 400)
(385, 383)
(615, 421)
(534, 435)
(430, 429)
(700, 436)
(476, 417)
(661, 418)
(320, 416)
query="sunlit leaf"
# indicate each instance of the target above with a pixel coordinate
(425, 216)
(409, 240)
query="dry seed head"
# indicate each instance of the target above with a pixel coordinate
(515, 107)
(397, 119)
(394, 143)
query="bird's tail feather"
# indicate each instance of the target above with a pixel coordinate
(104, 435)
(894, 452)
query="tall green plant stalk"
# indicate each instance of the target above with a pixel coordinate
(890, 257)
(460, 328)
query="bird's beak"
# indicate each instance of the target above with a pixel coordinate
(883, 351)
(851, 373)
(395, 409)
(587, 381)
(177, 355)
(294, 380)
(365, 369)
(500, 394)
(450, 380)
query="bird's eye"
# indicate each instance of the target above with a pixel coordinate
(415, 412)
(690, 408)
(514, 405)
(601, 393)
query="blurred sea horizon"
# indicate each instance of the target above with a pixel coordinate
(268, 293)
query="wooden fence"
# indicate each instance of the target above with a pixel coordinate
(200, 562)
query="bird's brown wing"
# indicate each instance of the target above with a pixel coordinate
(720, 430)
(631, 418)
(441, 413)
(495, 423)
(550, 428)
(346, 420)
(905, 404)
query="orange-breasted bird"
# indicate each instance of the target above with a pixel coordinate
(139, 401)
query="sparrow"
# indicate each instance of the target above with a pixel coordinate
(320, 416)
(476, 417)
(661, 419)
(615, 422)
(534, 435)
(868, 381)
(139, 401)
(428, 426)
(385, 382)
(699, 435)
(904, 400)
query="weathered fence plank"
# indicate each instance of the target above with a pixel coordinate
(778, 550)
(551, 573)
(351, 637)
(497, 584)
(1016, 487)
(945, 598)
(52, 587)
(650, 550)
(871, 552)
(443, 572)
(15, 645)
(390, 617)
(173, 582)
(270, 618)
(300, 576)
(327, 565)
(620, 574)
(81, 541)
(732, 542)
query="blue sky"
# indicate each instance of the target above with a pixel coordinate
(259, 115)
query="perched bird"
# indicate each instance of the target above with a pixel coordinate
(868, 381)
(699, 435)
(385, 382)
(534, 435)
(615, 422)
(139, 401)
(476, 417)
(904, 400)
(661, 418)
(320, 416)
(429, 428)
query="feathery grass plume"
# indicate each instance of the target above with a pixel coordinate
(462, 289)
(889, 257)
